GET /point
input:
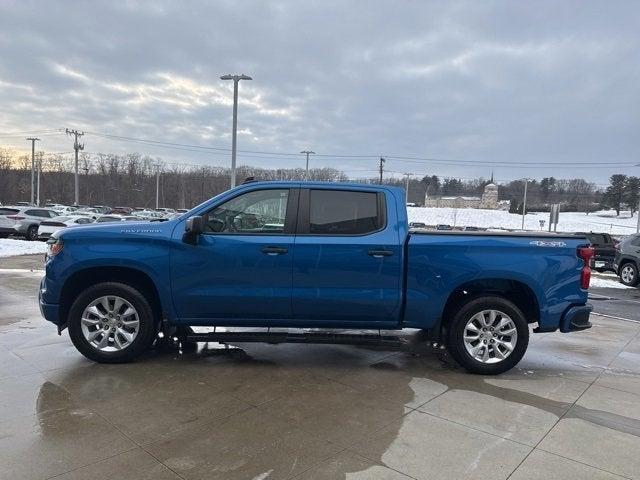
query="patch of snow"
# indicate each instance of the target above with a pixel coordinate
(10, 247)
(602, 221)
(606, 281)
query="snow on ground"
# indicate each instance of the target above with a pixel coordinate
(10, 247)
(606, 280)
(602, 221)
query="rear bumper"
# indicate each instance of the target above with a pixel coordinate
(576, 318)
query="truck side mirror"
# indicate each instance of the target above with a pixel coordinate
(193, 227)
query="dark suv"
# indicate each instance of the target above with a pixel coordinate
(604, 246)
(627, 261)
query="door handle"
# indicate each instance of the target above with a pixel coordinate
(380, 253)
(274, 250)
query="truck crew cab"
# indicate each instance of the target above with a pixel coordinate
(312, 255)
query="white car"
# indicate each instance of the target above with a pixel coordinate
(117, 218)
(47, 227)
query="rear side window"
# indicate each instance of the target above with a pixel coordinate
(343, 212)
(636, 241)
(8, 211)
(597, 239)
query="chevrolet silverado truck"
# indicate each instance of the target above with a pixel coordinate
(336, 261)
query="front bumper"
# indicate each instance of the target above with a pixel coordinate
(50, 311)
(576, 318)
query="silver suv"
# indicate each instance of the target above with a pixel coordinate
(26, 220)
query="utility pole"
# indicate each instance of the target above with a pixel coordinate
(524, 201)
(406, 189)
(38, 181)
(307, 152)
(76, 147)
(157, 186)
(33, 141)
(382, 160)
(236, 79)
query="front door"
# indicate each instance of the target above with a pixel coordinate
(240, 268)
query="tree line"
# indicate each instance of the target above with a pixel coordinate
(130, 180)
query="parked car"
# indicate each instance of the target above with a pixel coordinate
(165, 210)
(471, 229)
(27, 219)
(121, 210)
(341, 257)
(6, 226)
(627, 260)
(102, 209)
(443, 226)
(182, 210)
(48, 227)
(604, 246)
(117, 218)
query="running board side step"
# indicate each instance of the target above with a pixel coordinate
(307, 337)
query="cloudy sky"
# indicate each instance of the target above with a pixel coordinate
(527, 89)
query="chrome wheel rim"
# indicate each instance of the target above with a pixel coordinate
(627, 274)
(110, 323)
(490, 336)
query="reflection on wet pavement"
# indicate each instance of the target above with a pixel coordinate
(570, 410)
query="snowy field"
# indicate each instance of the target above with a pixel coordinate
(603, 221)
(10, 247)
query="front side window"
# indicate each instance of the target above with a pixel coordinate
(258, 212)
(341, 212)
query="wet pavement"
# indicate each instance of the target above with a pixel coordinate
(571, 409)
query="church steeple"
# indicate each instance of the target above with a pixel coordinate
(492, 176)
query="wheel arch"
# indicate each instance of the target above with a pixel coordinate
(516, 291)
(82, 279)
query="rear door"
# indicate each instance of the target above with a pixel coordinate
(348, 260)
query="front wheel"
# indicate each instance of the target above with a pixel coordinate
(629, 274)
(488, 335)
(111, 323)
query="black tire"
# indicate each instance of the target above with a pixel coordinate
(147, 323)
(630, 280)
(32, 233)
(456, 330)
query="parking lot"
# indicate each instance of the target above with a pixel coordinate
(571, 409)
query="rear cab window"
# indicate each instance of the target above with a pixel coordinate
(343, 212)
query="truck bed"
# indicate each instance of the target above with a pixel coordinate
(543, 264)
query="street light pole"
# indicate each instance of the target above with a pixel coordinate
(236, 79)
(307, 152)
(524, 201)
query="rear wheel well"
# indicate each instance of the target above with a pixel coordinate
(516, 292)
(84, 279)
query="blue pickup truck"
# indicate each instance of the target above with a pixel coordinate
(333, 260)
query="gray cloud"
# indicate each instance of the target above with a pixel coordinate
(475, 81)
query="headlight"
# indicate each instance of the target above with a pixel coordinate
(54, 246)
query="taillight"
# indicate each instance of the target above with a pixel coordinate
(586, 254)
(15, 217)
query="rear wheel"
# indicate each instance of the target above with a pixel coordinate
(32, 232)
(488, 335)
(629, 274)
(111, 323)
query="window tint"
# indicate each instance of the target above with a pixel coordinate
(260, 211)
(597, 239)
(636, 241)
(8, 211)
(341, 212)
